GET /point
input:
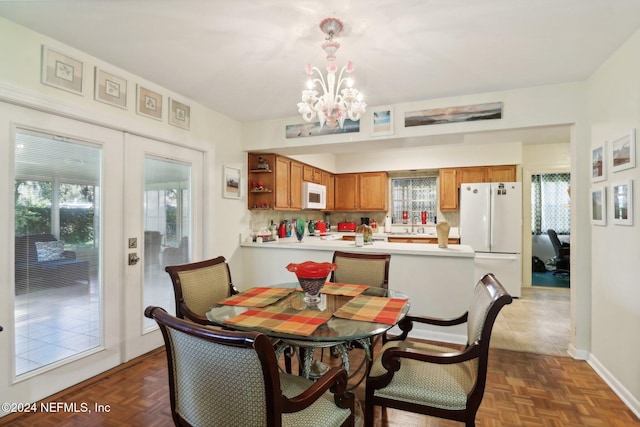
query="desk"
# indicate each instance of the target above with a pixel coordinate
(333, 333)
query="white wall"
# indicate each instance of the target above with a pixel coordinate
(214, 134)
(614, 108)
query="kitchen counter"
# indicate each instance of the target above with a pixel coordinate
(438, 281)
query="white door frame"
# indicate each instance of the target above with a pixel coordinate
(33, 387)
(137, 341)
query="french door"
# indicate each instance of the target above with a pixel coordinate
(61, 280)
(163, 204)
(114, 209)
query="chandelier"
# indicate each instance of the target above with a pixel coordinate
(339, 99)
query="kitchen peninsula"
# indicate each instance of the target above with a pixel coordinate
(438, 281)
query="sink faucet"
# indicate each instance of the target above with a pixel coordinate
(414, 221)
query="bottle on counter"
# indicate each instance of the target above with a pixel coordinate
(387, 224)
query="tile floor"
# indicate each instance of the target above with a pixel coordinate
(537, 322)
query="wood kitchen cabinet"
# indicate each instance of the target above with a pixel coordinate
(430, 240)
(288, 184)
(311, 174)
(451, 178)
(261, 196)
(328, 180)
(506, 173)
(361, 191)
(448, 189)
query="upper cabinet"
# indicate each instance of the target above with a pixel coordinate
(328, 180)
(311, 174)
(288, 177)
(361, 191)
(274, 183)
(451, 178)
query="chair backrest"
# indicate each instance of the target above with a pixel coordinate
(361, 269)
(489, 296)
(199, 285)
(555, 242)
(218, 377)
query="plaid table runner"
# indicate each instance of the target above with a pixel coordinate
(280, 319)
(373, 309)
(346, 289)
(257, 297)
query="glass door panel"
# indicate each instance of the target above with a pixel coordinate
(167, 227)
(57, 303)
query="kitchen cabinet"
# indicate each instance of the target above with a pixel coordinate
(288, 184)
(328, 180)
(448, 189)
(274, 183)
(451, 178)
(505, 173)
(361, 191)
(261, 181)
(414, 239)
(311, 174)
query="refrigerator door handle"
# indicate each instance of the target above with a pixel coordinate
(492, 199)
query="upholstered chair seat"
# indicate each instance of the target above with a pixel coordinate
(229, 378)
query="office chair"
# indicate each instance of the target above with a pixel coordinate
(563, 251)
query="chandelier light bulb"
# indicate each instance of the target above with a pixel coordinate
(339, 99)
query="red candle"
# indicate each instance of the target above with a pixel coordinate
(424, 217)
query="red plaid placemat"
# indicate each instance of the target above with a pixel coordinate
(346, 289)
(280, 319)
(373, 309)
(257, 297)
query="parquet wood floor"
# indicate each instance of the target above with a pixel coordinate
(523, 389)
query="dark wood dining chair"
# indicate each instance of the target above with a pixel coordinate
(437, 380)
(229, 378)
(199, 285)
(361, 269)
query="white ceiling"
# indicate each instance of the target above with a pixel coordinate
(246, 58)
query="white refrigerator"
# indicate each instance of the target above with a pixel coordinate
(491, 223)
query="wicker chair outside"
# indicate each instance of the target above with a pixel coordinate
(227, 378)
(437, 380)
(198, 286)
(361, 269)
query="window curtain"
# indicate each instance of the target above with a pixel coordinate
(550, 202)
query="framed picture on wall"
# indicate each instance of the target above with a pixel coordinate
(179, 114)
(110, 89)
(599, 163)
(149, 103)
(622, 202)
(231, 183)
(62, 71)
(599, 205)
(623, 152)
(382, 121)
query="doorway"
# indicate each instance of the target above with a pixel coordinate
(550, 211)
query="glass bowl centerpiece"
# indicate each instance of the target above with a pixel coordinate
(312, 277)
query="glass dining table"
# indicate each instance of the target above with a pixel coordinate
(341, 318)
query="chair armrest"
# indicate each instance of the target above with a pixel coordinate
(406, 325)
(391, 356)
(335, 379)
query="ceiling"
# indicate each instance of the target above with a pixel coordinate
(246, 58)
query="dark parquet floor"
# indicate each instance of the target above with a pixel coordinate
(523, 389)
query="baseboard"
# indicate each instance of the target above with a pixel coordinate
(627, 398)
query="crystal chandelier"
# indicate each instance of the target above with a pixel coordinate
(336, 103)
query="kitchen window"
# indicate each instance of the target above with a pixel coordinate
(414, 195)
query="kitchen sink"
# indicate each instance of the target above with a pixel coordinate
(410, 233)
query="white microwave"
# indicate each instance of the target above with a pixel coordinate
(314, 196)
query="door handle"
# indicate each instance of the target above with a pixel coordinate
(133, 258)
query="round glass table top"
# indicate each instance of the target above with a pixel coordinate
(334, 330)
